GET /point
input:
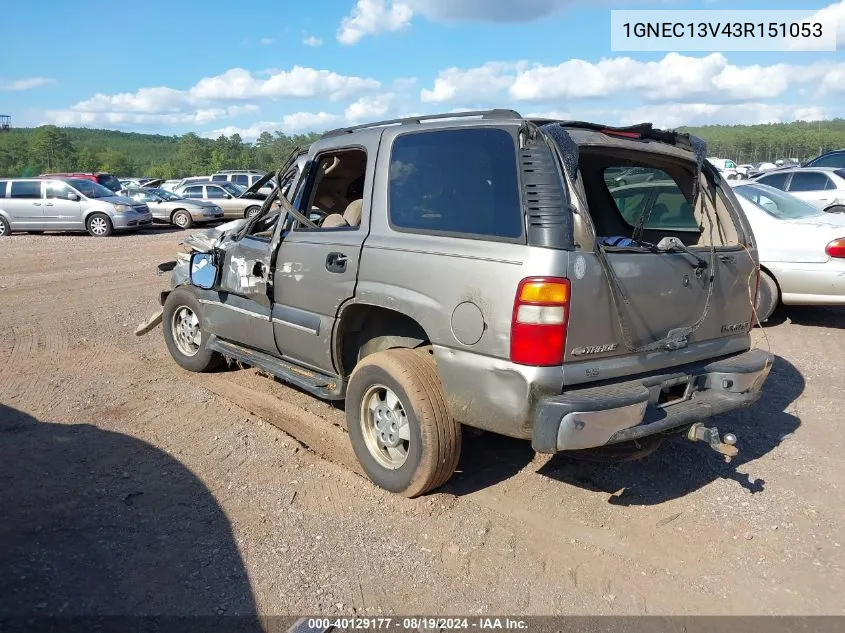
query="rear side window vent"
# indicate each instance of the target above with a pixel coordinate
(549, 219)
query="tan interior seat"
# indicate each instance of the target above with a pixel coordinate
(351, 216)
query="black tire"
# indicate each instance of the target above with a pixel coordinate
(251, 211)
(182, 219)
(5, 229)
(768, 296)
(434, 446)
(99, 225)
(837, 208)
(203, 359)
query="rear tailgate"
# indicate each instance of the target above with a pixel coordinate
(669, 307)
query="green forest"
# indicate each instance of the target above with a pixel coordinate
(32, 151)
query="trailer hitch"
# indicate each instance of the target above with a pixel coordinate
(724, 445)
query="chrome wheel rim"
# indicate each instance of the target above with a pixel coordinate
(99, 226)
(185, 328)
(387, 432)
(252, 213)
(181, 220)
(2, 228)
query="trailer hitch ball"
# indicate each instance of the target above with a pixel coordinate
(725, 446)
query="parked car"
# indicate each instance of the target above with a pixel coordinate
(236, 201)
(725, 166)
(463, 284)
(759, 168)
(245, 178)
(170, 185)
(106, 180)
(742, 170)
(621, 176)
(173, 209)
(137, 183)
(802, 249)
(836, 159)
(823, 187)
(69, 204)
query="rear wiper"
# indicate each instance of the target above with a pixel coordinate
(674, 244)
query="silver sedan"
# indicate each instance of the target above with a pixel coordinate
(168, 207)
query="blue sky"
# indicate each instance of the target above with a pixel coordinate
(214, 67)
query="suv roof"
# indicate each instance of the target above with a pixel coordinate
(241, 171)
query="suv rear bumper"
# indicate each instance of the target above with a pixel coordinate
(618, 412)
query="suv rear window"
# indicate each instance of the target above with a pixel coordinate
(241, 179)
(109, 182)
(653, 193)
(458, 182)
(3, 188)
(778, 181)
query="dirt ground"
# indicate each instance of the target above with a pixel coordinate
(128, 485)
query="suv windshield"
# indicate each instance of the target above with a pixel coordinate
(89, 189)
(776, 203)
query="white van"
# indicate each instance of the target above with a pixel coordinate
(726, 167)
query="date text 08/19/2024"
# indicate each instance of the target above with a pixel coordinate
(417, 623)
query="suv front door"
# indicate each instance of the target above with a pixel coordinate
(316, 270)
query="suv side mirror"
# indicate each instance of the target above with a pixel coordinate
(74, 197)
(203, 270)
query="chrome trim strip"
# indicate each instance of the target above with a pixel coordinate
(295, 326)
(236, 309)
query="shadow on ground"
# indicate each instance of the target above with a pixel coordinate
(100, 523)
(815, 316)
(677, 468)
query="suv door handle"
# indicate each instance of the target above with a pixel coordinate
(336, 262)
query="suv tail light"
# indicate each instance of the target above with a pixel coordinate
(540, 317)
(836, 248)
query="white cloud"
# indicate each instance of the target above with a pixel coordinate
(297, 122)
(487, 10)
(675, 77)
(312, 40)
(369, 108)
(371, 17)
(147, 100)
(690, 114)
(482, 83)
(266, 41)
(201, 116)
(16, 85)
(299, 81)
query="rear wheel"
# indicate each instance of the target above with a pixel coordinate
(398, 422)
(768, 296)
(251, 212)
(99, 225)
(182, 219)
(186, 340)
(5, 229)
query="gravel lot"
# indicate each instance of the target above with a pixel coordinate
(130, 486)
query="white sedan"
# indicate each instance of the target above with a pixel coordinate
(802, 249)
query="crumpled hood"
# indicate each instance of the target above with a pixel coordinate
(203, 241)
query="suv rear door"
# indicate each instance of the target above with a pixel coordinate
(616, 333)
(25, 204)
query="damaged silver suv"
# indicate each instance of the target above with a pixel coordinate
(487, 270)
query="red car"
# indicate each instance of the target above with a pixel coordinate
(107, 180)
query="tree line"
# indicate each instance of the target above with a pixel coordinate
(32, 151)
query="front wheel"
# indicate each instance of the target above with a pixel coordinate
(186, 340)
(837, 208)
(183, 219)
(398, 422)
(251, 212)
(99, 225)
